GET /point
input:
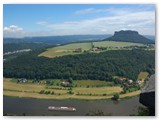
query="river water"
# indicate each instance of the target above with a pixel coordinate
(39, 107)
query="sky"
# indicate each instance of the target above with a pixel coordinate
(22, 20)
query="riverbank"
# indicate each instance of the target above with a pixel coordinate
(67, 97)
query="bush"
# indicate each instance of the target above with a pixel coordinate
(70, 88)
(47, 92)
(70, 92)
(115, 96)
(41, 92)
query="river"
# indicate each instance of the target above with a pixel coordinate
(39, 107)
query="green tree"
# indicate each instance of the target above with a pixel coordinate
(115, 96)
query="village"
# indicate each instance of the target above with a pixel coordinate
(128, 85)
(101, 49)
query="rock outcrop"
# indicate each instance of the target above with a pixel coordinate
(147, 96)
(128, 36)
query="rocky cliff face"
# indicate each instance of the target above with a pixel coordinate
(128, 36)
(127, 32)
(147, 96)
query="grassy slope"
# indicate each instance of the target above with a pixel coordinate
(32, 91)
(142, 76)
(115, 44)
(90, 83)
(60, 50)
(63, 97)
(67, 49)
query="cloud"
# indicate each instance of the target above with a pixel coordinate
(110, 11)
(13, 31)
(12, 28)
(89, 11)
(42, 23)
(144, 22)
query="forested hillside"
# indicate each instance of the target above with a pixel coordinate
(102, 66)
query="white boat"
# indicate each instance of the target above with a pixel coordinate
(56, 108)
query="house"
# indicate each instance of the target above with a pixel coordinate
(64, 83)
(78, 50)
(138, 82)
(123, 79)
(42, 82)
(96, 49)
(130, 81)
(22, 80)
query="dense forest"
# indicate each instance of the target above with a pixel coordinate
(102, 66)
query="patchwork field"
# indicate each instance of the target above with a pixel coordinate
(115, 44)
(92, 83)
(66, 49)
(11, 88)
(70, 48)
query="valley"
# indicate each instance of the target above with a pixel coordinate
(86, 70)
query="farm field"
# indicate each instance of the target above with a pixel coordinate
(65, 49)
(11, 88)
(115, 44)
(92, 83)
(69, 48)
(142, 76)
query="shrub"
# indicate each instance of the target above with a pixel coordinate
(42, 92)
(115, 96)
(70, 92)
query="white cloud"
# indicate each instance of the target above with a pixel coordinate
(89, 11)
(13, 31)
(42, 23)
(12, 28)
(110, 11)
(144, 22)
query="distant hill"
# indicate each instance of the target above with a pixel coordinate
(10, 47)
(151, 37)
(128, 36)
(56, 39)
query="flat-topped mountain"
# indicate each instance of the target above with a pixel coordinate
(128, 36)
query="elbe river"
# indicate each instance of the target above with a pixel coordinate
(39, 107)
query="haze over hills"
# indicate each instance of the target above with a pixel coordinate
(124, 36)
(57, 39)
(128, 36)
